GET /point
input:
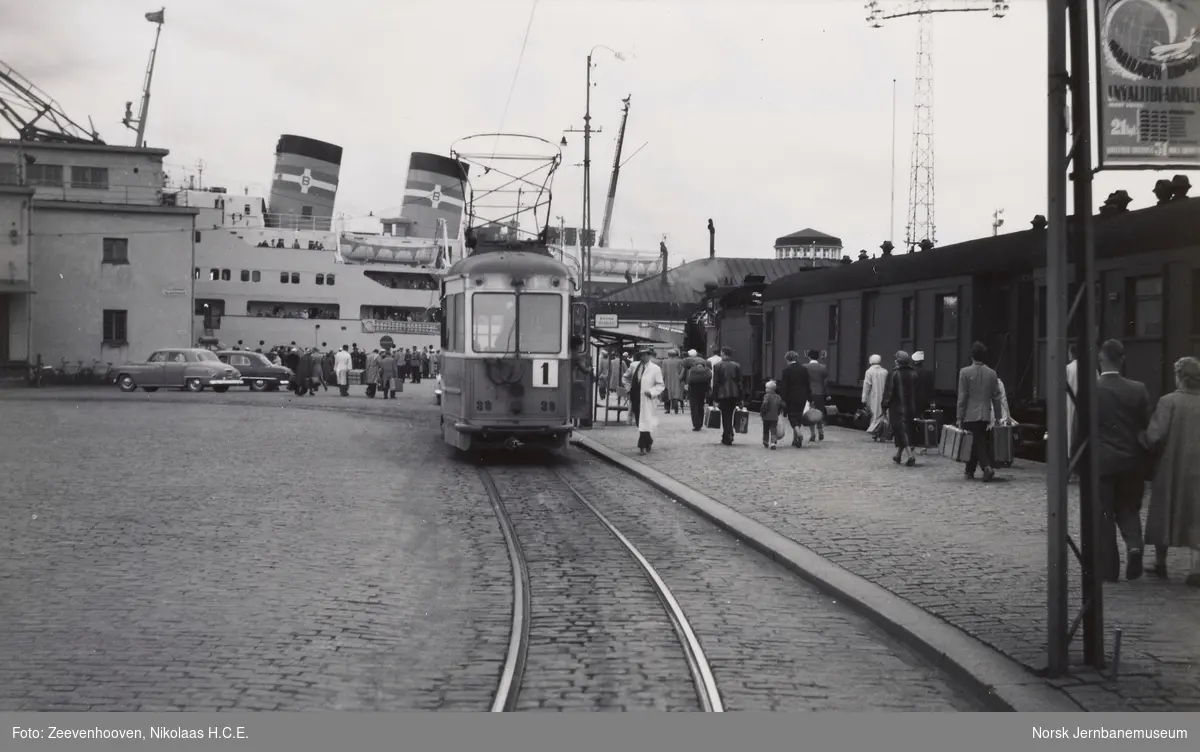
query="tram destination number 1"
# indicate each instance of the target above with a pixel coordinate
(545, 374)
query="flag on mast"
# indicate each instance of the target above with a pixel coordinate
(157, 16)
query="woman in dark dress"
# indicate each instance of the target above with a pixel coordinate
(900, 402)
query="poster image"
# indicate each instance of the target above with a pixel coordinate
(1148, 83)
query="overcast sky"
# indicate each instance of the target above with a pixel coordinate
(767, 116)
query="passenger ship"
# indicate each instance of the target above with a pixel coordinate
(290, 273)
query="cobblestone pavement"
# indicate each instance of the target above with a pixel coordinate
(974, 555)
(201, 551)
(774, 642)
(598, 638)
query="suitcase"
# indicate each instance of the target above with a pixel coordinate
(956, 444)
(712, 417)
(1002, 444)
(741, 420)
(926, 433)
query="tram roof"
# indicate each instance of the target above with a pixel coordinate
(508, 262)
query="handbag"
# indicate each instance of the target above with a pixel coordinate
(741, 420)
(779, 430)
(812, 415)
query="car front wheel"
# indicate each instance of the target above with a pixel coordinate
(258, 385)
(195, 385)
(126, 383)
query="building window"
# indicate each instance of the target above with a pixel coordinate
(320, 279)
(44, 174)
(90, 177)
(329, 279)
(196, 236)
(834, 314)
(116, 251)
(283, 278)
(295, 278)
(196, 273)
(906, 318)
(1144, 307)
(945, 317)
(214, 275)
(245, 275)
(9, 174)
(255, 276)
(116, 327)
(225, 276)
(247, 211)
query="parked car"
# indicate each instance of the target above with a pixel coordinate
(258, 373)
(192, 369)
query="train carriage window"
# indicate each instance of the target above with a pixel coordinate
(834, 321)
(1144, 298)
(906, 318)
(769, 328)
(447, 323)
(494, 322)
(541, 323)
(945, 317)
(1196, 301)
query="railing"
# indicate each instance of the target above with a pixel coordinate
(140, 195)
(385, 326)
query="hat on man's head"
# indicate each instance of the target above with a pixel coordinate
(903, 357)
(918, 357)
(692, 353)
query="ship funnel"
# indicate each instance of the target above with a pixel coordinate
(305, 184)
(435, 190)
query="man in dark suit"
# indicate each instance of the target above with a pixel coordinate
(727, 391)
(795, 390)
(1124, 412)
(978, 397)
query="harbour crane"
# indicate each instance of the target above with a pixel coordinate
(616, 171)
(34, 114)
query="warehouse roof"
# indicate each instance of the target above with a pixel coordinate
(684, 285)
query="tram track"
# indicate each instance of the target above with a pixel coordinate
(518, 664)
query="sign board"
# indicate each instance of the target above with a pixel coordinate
(1148, 84)
(545, 374)
(386, 341)
(607, 321)
(174, 291)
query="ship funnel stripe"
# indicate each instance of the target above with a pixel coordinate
(309, 147)
(439, 165)
(426, 186)
(317, 176)
(447, 206)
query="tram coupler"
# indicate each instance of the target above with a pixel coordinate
(513, 443)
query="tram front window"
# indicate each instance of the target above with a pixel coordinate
(541, 323)
(494, 325)
(494, 316)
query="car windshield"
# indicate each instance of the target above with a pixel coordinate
(207, 355)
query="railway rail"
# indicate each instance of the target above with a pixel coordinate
(516, 665)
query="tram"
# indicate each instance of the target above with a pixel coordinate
(512, 328)
(508, 325)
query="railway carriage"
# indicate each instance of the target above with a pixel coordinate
(993, 290)
(508, 325)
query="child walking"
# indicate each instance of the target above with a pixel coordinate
(772, 408)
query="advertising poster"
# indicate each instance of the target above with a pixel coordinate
(1148, 83)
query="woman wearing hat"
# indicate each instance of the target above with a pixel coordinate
(900, 401)
(645, 384)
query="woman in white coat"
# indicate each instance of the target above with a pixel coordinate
(645, 386)
(874, 384)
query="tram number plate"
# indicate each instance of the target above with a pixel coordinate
(545, 374)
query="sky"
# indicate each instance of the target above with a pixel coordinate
(766, 116)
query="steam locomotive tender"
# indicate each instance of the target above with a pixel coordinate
(507, 361)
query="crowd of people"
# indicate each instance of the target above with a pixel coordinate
(383, 370)
(1137, 442)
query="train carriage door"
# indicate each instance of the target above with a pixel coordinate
(582, 367)
(867, 342)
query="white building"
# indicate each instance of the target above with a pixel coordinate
(108, 266)
(15, 291)
(809, 244)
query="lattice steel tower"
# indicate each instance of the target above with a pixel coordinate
(921, 226)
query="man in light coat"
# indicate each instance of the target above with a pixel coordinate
(874, 382)
(342, 362)
(978, 401)
(371, 373)
(646, 386)
(672, 369)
